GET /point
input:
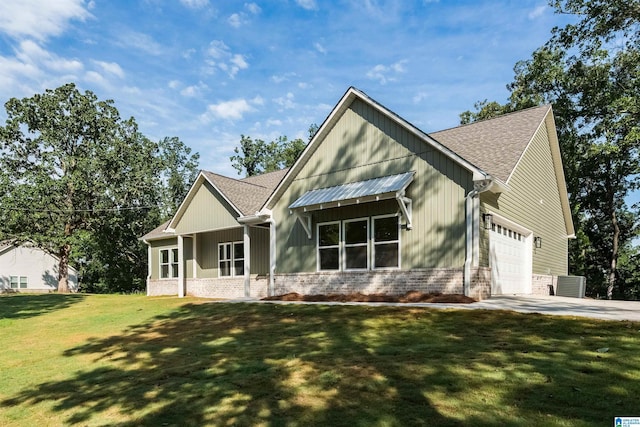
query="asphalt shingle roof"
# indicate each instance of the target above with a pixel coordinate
(248, 194)
(494, 145)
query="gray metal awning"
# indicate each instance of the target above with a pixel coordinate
(381, 188)
(370, 190)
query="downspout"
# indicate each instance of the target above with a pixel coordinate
(468, 260)
(272, 255)
(472, 221)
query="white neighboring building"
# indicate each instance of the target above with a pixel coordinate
(27, 268)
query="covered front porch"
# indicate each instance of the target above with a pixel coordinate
(229, 263)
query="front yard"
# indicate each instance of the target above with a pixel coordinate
(133, 360)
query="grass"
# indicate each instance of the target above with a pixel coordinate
(133, 361)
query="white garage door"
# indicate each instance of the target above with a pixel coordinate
(510, 261)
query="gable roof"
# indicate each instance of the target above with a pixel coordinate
(495, 145)
(345, 102)
(488, 149)
(246, 196)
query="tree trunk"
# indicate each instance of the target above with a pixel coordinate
(63, 269)
(614, 255)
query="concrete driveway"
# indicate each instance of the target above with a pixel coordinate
(552, 305)
(561, 306)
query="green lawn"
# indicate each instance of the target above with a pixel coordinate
(133, 360)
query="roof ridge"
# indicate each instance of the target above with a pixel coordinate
(493, 118)
(236, 180)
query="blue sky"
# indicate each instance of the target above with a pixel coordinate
(208, 71)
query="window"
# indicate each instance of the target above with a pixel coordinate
(168, 263)
(18, 282)
(356, 244)
(352, 245)
(386, 242)
(329, 246)
(230, 259)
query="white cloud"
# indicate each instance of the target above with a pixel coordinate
(537, 12)
(283, 77)
(111, 68)
(235, 20)
(195, 4)
(225, 60)
(320, 48)
(217, 49)
(140, 41)
(386, 73)
(286, 102)
(96, 78)
(418, 97)
(252, 8)
(190, 91)
(39, 19)
(307, 4)
(174, 84)
(230, 110)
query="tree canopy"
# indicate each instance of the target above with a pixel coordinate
(255, 156)
(80, 182)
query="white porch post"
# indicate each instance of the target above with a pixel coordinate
(194, 248)
(247, 261)
(149, 266)
(272, 256)
(181, 281)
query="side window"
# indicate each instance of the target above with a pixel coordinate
(168, 263)
(386, 242)
(238, 259)
(230, 259)
(329, 246)
(224, 259)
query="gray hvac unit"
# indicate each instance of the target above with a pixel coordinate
(571, 286)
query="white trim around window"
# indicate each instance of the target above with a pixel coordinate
(231, 259)
(328, 238)
(355, 245)
(386, 253)
(168, 263)
(356, 237)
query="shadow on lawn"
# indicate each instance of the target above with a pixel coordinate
(22, 306)
(248, 364)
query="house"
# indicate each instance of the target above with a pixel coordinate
(27, 268)
(374, 204)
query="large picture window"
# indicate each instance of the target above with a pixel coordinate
(359, 244)
(230, 259)
(168, 263)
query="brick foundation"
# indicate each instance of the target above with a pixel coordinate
(542, 284)
(228, 288)
(391, 282)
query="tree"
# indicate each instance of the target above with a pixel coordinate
(256, 156)
(69, 163)
(590, 71)
(178, 169)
